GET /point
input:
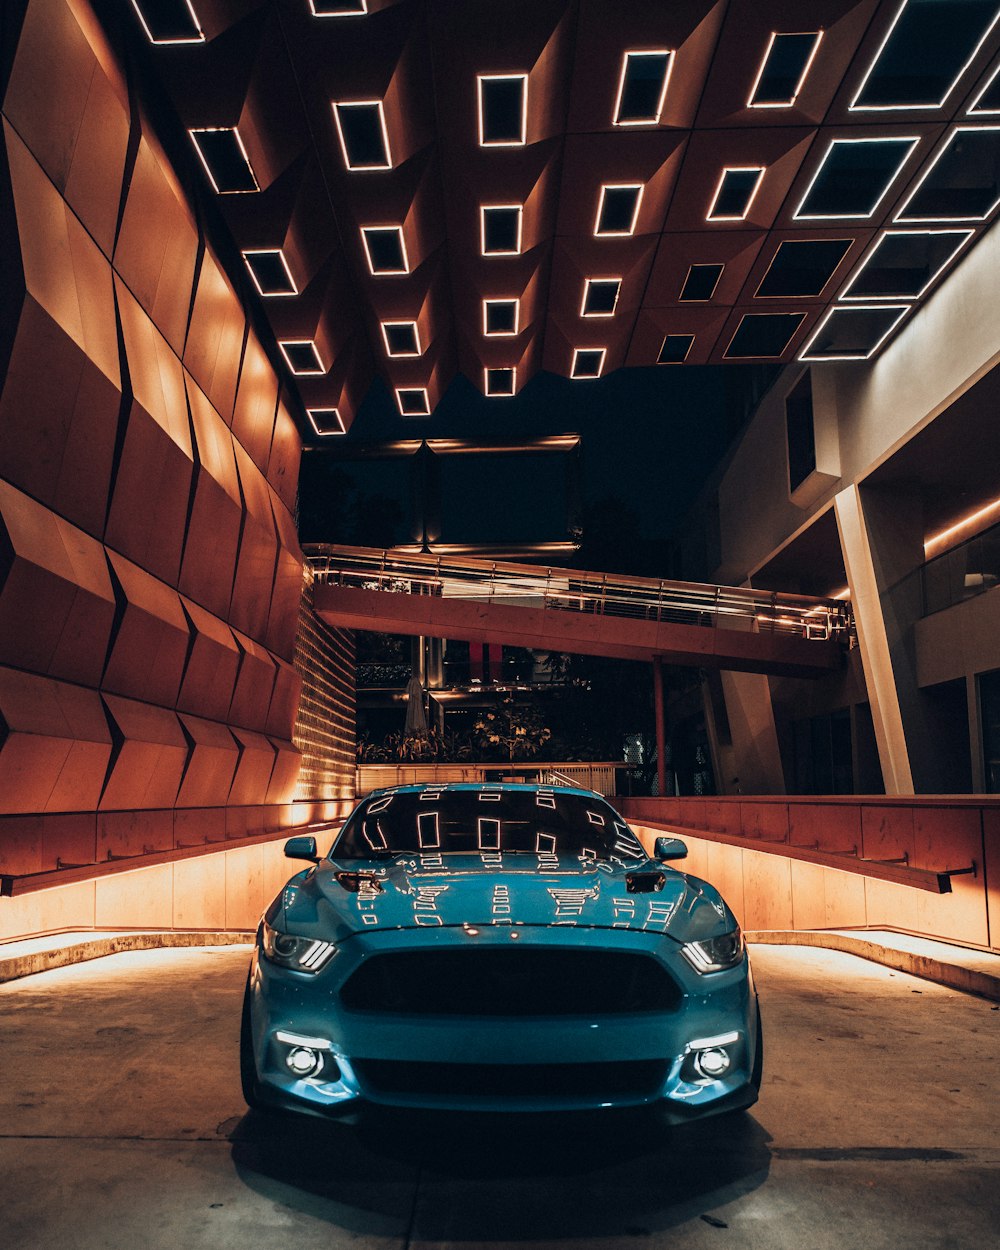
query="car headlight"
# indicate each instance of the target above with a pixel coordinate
(715, 954)
(302, 954)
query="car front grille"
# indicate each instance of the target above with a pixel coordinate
(523, 982)
(593, 1081)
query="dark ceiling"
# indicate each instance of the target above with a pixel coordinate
(746, 180)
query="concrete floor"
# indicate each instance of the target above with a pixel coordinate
(122, 1125)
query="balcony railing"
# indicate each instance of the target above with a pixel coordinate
(965, 571)
(575, 590)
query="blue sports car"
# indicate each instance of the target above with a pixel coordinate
(498, 948)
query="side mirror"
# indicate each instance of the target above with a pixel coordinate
(669, 848)
(302, 848)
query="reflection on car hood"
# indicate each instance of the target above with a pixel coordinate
(493, 888)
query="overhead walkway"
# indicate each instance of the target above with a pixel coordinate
(569, 610)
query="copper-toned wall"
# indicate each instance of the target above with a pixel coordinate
(150, 574)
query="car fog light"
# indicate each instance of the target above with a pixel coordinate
(712, 1063)
(304, 1061)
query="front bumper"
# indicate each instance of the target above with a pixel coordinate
(502, 1063)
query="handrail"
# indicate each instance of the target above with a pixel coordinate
(577, 590)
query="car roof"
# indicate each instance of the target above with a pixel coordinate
(515, 787)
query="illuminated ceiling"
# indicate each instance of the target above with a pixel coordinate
(419, 187)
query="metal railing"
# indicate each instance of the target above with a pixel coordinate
(575, 590)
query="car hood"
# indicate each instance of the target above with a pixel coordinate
(430, 891)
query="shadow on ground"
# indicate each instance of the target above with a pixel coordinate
(501, 1179)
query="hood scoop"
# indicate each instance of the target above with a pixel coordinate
(644, 882)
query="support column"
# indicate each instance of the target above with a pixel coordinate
(754, 736)
(873, 642)
(658, 714)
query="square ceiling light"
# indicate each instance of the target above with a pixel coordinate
(401, 338)
(501, 317)
(618, 208)
(270, 272)
(700, 283)
(600, 297)
(929, 46)
(225, 159)
(364, 140)
(783, 70)
(962, 183)
(854, 333)
(734, 193)
(326, 421)
(385, 250)
(764, 335)
(642, 87)
(500, 383)
(503, 110)
(413, 401)
(904, 263)
(588, 362)
(803, 267)
(169, 21)
(500, 229)
(854, 177)
(674, 349)
(302, 357)
(338, 8)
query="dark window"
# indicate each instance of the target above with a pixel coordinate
(499, 381)
(736, 190)
(269, 273)
(618, 209)
(989, 714)
(989, 101)
(385, 249)
(701, 282)
(588, 362)
(854, 176)
(803, 267)
(501, 316)
(783, 68)
(904, 263)
(853, 333)
(501, 230)
(800, 432)
(363, 136)
(338, 8)
(822, 746)
(601, 296)
(326, 420)
(501, 103)
(413, 401)
(225, 160)
(763, 334)
(964, 184)
(675, 349)
(169, 21)
(642, 87)
(401, 338)
(302, 357)
(925, 53)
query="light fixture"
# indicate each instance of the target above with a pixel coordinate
(735, 192)
(326, 421)
(500, 229)
(302, 357)
(617, 209)
(364, 140)
(385, 250)
(401, 338)
(169, 21)
(224, 157)
(853, 331)
(503, 110)
(413, 401)
(588, 362)
(500, 383)
(854, 177)
(600, 297)
(501, 317)
(270, 272)
(787, 60)
(642, 86)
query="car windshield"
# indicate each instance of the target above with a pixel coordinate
(543, 822)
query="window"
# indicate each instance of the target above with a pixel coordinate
(338, 8)
(500, 382)
(735, 193)
(854, 333)
(963, 181)
(854, 176)
(402, 338)
(600, 297)
(783, 70)
(270, 272)
(169, 21)
(618, 209)
(929, 46)
(500, 317)
(500, 229)
(904, 263)
(588, 362)
(503, 110)
(302, 357)
(413, 401)
(385, 249)
(763, 334)
(642, 87)
(800, 432)
(326, 420)
(225, 159)
(364, 141)
(701, 282)
(802, 267)
(674, 349)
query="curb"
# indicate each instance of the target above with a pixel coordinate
(15, 966)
